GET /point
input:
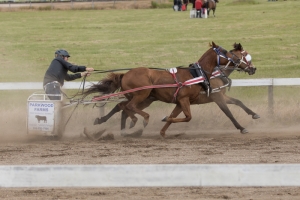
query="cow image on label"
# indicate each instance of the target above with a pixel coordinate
(41, 118)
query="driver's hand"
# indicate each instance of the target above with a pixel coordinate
(89, 69)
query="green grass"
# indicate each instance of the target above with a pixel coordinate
(115, 39)
(112, 39)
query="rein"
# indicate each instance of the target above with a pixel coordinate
(97, 71)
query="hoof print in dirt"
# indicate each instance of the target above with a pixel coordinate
(99, 133)
(95, 136)
(179, 135)
(109, 136)
(135, 134)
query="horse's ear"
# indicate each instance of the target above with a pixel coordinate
(235, 46)
(213, 44)
(240, 47)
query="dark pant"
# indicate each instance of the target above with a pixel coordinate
(198, 13)
(52, 89)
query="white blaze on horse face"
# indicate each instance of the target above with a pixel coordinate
(248, 58)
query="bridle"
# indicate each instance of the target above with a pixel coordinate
(246, 58)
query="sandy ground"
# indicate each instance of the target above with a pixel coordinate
(206, 140)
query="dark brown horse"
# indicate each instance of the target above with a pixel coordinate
(186, 94)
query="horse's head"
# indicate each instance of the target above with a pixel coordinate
(237, 57)
(244, 60)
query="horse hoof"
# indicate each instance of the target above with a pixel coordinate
(145, 123)
(99, 121)
(132, 124)
(256, 116)
(164, 119)
(96, 121)
(163, 134)
(135, 134)
(244, 131)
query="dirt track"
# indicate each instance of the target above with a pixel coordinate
(185, 144)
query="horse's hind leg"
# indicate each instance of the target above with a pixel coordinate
(108, 116)
(230, 100)
(133, 105)
(124, 116)
(129, 113)
(141, 106)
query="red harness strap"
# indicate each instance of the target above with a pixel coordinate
(179, 85)
(188, 82)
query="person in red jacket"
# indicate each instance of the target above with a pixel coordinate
(198, 6)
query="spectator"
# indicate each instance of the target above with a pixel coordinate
(185, 2)
(177, 5)
(198, 7)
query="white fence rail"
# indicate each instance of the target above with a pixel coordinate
(165, 175)
(270, 82)
(35, 85)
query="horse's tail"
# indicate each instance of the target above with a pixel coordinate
(107, 85)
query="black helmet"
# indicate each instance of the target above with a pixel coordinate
(62, 52)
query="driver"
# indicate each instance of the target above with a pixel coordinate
(58, 72)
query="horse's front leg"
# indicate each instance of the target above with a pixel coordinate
(230, 100)
(185, 107)
(176, 111)
(223, 106)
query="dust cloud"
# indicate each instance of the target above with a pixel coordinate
(206, 119)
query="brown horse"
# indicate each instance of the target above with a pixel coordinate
(218, 83)
(185, 95)
(211, 5)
